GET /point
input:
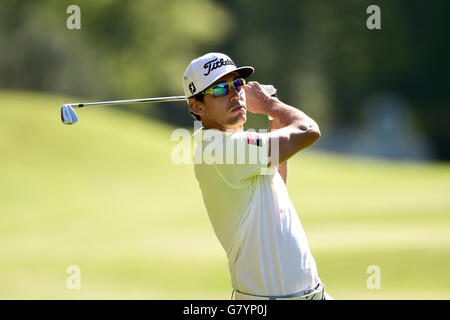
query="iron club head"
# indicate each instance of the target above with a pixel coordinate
(68, 115)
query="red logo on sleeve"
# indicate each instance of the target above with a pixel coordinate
(252, 139)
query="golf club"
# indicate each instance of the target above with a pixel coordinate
(69, 116)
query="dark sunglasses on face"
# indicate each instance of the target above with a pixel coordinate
(222, 89)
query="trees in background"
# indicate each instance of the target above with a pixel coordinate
(320, 54)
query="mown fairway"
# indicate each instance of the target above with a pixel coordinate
(104, 195)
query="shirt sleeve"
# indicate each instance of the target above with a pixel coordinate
(245, 156)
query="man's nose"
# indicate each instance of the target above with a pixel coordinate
(234, 94)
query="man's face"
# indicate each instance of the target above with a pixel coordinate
(228, 112)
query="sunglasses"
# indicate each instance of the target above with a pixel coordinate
(222, 89)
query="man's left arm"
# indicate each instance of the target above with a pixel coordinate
(282, 167)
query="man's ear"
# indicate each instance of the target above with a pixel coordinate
(196, 107)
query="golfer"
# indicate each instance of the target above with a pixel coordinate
(246, 199)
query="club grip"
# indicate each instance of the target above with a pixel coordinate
(271, 90)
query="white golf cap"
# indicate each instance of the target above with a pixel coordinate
(207, 69)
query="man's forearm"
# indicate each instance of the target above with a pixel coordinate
(285, 115)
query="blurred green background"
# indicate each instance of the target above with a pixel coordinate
(104, 194)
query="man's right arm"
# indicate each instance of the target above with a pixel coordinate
(298, 130)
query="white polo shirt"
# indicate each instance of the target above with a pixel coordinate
(252, 216)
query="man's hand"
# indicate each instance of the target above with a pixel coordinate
(257, 99)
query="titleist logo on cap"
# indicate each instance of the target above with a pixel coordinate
(215, 63)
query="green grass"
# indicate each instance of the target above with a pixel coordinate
(103, 194)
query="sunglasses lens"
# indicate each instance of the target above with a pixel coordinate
(238, 84)
(220, 90)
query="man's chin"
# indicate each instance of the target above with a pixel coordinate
(238, 121)
(242, 118)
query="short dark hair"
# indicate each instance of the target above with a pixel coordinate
(199, 98)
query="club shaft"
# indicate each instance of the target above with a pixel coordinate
(272, 91)
(158, 99)
(69, 116)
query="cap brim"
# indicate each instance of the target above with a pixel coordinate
(243, 72)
